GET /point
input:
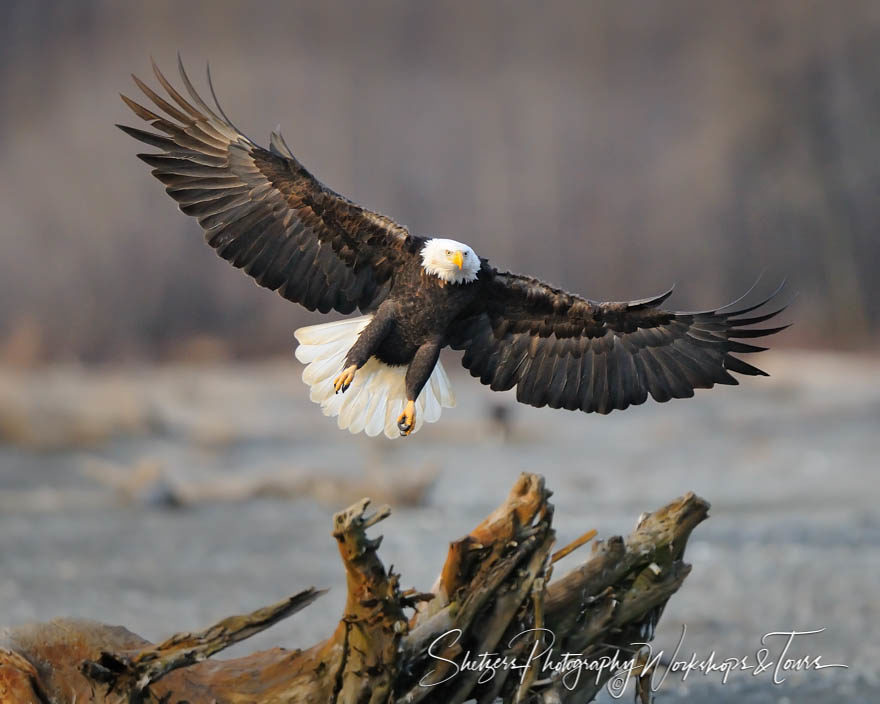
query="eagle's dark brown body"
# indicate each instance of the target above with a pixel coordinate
(413, 323)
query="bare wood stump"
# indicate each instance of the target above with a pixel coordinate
(494, 595)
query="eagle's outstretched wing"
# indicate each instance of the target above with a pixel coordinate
(564, 351)
(263, 212)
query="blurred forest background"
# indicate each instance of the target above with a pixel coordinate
(609, 147)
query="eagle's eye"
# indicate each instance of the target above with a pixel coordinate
(448, 252)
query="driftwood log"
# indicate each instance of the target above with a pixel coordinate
(494, 595)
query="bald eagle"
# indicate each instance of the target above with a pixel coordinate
(265, 213)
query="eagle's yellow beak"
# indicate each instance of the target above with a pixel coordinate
(458, 259)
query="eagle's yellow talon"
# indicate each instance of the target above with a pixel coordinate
(406, 421)
(343, 381)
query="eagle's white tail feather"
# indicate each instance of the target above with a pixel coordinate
(377, 396)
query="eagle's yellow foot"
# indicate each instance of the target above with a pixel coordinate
(406, 421)
(343, 381)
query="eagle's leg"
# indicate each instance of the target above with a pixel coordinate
(343, 381)
(365, 346)
(406, 421)
(417, 375)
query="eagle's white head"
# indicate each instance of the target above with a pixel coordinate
(452, 261)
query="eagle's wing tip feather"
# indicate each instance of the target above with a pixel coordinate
(651, 301)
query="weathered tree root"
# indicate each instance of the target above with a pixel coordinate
(494, 595)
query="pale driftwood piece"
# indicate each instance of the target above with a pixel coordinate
(633, 580)
(137, 673)
(495, 594)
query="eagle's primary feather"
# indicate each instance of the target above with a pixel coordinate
(265, 213)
